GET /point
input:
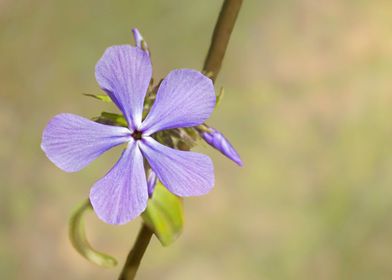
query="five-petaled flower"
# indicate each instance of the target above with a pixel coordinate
(185, 98)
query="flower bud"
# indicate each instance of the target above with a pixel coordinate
(216, 139)
(151, 182)
(139, 41)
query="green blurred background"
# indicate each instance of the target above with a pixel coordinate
(308, 106)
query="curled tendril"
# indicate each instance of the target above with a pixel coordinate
(77, 235)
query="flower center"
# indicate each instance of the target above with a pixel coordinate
(137, 135)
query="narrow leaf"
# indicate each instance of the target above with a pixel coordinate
(102, 97)
(79, 240)
(111, 119)
(219, 97)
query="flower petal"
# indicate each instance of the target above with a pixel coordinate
(182, 173)
(124, 72)
(217, 140)
(121, 195)
(71, 142)
(185, 98)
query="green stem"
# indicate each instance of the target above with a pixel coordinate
(136, 254)
(212, 65)
(221, 36)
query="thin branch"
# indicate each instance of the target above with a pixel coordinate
(220, 37)
(212, 65)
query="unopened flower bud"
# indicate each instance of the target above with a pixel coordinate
(151, 182)
(139, 40)
(216, 139)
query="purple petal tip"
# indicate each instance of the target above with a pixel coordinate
(121, 195)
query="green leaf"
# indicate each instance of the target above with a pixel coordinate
(164, 215)
(102, 97)
(77, 235)
(111, 119)
(219, 97)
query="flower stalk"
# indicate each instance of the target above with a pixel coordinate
(221, 36)
(136, 254)
(212, 66)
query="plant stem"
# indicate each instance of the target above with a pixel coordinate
(136, 254)
(220, 38)
(212, 65)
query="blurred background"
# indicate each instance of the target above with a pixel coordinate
(308, 94)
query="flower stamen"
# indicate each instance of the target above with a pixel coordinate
(137, 135)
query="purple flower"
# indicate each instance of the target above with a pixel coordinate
(185, 98)
(219, 142)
